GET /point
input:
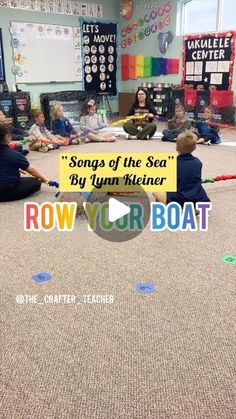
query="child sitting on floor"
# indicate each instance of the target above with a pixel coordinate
(62, 126)
(176, 125)
(207, 130)
(189, 171)
(91, 123)
(40, 138)
(12, 185)
(17, 134)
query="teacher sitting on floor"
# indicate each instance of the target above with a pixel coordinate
(141, 125)
(12, 185)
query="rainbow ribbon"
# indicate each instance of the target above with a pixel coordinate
(219, 178)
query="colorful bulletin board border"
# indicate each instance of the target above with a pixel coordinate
(69, 7)
(208, 59)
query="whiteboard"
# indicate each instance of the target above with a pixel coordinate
(44, 53)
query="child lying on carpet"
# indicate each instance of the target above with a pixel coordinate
(208, 134)
(40, 138)
(91, 123)
(62, 126)
(176, 125)
(189, 172)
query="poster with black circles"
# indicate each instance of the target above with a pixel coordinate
(99, 56)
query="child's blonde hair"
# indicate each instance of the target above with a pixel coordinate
(56, 109)
(186, 142)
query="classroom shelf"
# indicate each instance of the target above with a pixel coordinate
(166, 98)
(160, 97)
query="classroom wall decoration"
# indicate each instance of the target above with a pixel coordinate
(70, 7)
(135, 66)
(45, 53)
(155, 20)
(100, 56)
(126, 9)
(164, 39)
(208, 60)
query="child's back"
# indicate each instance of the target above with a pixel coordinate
(189, 173)
(189, 181)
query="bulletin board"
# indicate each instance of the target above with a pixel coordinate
(208, 60)
(44, 53)
(99, 56)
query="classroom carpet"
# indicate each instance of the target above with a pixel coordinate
(168, 354)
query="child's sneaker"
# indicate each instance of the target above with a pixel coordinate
(200, 141)
(75, 141)
(50, 146)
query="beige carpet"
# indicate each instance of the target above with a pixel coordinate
(165, 355)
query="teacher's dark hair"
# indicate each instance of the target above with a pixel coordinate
(147, 100)
(4, 131)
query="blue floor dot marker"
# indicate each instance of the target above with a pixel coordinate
(42, 277)
(145, 287)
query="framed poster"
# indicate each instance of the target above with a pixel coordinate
(208, 60)
(99, 56)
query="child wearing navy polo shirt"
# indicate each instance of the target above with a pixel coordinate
(189, 174)
(12, 185)
(62, 126)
